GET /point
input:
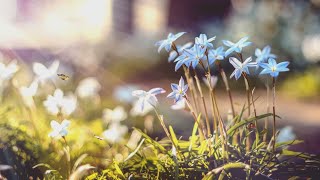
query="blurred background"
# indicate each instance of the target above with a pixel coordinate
(113, 41)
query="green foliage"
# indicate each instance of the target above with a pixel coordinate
(156, 160)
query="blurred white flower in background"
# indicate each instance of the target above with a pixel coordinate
(88, 87)
(116, 115)
(115, 132)
(213, 79)
(179, 105)
(59, 103)
(310, 47)
(7, 71)
(59, 130)
(286, 134)
(124, 93)
(43, 73)
(28, 93)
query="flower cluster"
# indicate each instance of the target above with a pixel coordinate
(203, 53)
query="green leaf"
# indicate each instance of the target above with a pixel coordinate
(135, 151)
(286, 152)
(286, 143)
(79, 161)
(203, 147)
(173, 136)
(118, 170)
(193, 138)
(243, 123)
(223, 169)
(153, 142)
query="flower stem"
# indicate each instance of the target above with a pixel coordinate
(201, 129)
(226, 83)
(274, 113)
(266, 121)
(160, 118)
(204, 105)
(256, 121)
(246, 82)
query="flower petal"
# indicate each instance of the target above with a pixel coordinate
(156, 91)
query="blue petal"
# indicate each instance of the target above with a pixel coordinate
(272, 62)
(171, 95)
(185, 88)
(227, 43)
(156, 91)
(266, 71)
(282, 65)
(172, 56)
(230, 50)
(162, 45)
(242, 40)
(168, 47)
(174, 87)
(181, 82)
(238, 74)
(178, 65)
(177, 98)
(264, 65)
(274, 74)
(257, 52)
(246, 44)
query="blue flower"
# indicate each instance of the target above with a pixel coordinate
(178, 91)
(273, 68)
(183, 59)
(240, 67)
(237, 47)
(167, 43)
(174, 54)
(147, 97)
(215, 54)
(264, 54)
(204, 42)
(194, 55)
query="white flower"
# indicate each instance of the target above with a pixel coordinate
(59, 129)
(136, 109)
(114, 116)
(146, 98)
(58, 103)
(7, 71)
(43, 73)
(27, 93)
(115, 132)
(240, 67)
(88, 87)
